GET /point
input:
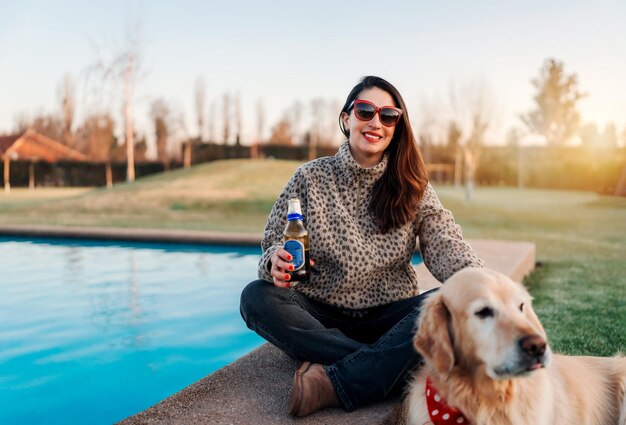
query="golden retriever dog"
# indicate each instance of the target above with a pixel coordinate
(486, 354)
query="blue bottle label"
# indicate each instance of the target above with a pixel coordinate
(296, 249)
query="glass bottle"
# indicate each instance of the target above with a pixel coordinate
(296, 242)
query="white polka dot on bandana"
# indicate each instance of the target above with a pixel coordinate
(460, 421)
(428, 393)
(437, 398)
(434, 412)
(446, 416)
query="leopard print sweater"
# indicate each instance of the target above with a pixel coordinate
(356, 266)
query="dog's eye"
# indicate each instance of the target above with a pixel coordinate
(521, 307)
(485, 312)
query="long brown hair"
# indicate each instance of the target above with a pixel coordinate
(397, 193)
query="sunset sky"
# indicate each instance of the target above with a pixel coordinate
(282, 51)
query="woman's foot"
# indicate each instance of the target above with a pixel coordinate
(311, 390)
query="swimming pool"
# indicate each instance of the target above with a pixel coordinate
(92, 332)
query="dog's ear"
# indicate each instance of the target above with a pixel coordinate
(432, 339)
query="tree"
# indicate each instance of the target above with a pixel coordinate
(454, 145)
(315, 134)
(96, 136)
(200, 100)
(589, 135)
(120, 152)
(260, 122)
(97, 140)
(21, 122)
(609, 136)
(296, 121)
(472, 108)
(161, 117)
(260, 119)
(47, 124)
(513, 140)
(334, 134)
(55, 126)
(123, 65)
(226, 117)
(67, 96)
(428, 124)
(555, 115)
(425, 140)
(238, 119)
(212, 112)
(620, 188)
(472, 151)
(178, 133)
(141, 148)
(281, 133)
(454, 136)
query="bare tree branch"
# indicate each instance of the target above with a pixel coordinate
(121, 65)
(200, 100)
(67, 97)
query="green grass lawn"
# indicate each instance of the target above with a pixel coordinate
(579, 290)
(233, 196)
(580, 287)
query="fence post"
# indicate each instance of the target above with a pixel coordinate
(7, 183)
(31, 175)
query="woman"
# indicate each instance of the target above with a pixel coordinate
(352, 324)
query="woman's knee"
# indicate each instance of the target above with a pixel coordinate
(260, 300)
(256, 298)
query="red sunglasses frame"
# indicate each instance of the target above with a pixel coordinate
(376, 111)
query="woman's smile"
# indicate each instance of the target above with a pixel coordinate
(371, 136)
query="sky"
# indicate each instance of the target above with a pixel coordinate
(282, 51)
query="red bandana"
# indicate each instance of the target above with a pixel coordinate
(439, 411)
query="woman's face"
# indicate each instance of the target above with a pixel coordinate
(369, 139)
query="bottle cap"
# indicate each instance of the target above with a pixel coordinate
(294, 211)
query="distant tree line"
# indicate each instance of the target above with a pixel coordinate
(458, 126)
(549, 167)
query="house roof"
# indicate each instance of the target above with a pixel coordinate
(37, 147)
(7, 141)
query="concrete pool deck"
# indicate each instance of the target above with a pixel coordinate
(255, 388)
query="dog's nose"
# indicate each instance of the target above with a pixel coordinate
(533, 345)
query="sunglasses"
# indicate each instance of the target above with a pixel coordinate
(365, 111)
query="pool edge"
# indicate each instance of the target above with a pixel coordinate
(134, 234)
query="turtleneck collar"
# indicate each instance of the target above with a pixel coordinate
(346, 161)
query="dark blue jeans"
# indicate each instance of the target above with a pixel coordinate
(368, 353)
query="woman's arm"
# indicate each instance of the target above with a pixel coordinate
(440, 239)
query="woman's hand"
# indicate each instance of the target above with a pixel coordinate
(281, 267)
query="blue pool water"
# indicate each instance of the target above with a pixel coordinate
(92, 332)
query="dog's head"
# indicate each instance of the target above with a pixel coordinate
(480, 317)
